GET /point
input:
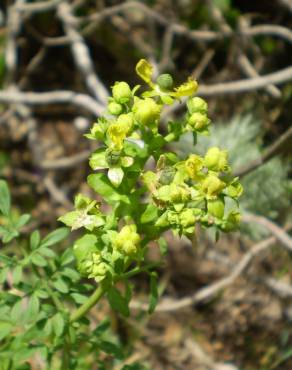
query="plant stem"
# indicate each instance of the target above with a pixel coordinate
(92, 300)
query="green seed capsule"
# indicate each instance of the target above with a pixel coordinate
(115, 108)
(198, 121)
(121, 92)
(165, 81)
(216, 208)
(197, 104)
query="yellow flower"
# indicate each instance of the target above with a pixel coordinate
(212, 186)
(193, 167)
(216, 159)
(146, 111)
(145, 70)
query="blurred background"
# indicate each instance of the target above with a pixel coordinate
(224, 305)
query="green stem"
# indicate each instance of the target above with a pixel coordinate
(137, 270)
(92, 300)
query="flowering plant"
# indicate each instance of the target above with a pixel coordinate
(143, 189)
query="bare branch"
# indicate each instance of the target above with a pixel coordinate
(269, 153)
(250, 71)
(38, 7)
(65, 162)
(54, 97)
(81, 54)
(274, 229)
(205, 293)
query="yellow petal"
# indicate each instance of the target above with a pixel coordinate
(186, 89)
(145, 70)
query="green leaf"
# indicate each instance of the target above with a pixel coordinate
(153, 292)
(67, 257)
(35, 239)
(48, 327)
(150, 214)
(163, 246)
(79, 298)
(17, 274)
(100, 183)
(55, 237)
(4, 198)
(118, 302)
(3, 274)
(61, 286)
(111, 349)
(33, 308)
(46, 252)
(5, 329)
(98, 160)
(17, 311)
(72, 274)
(115, 176)
(77, 219)
(58, 324)
(38, 260)
(23, 219)
(8, 234)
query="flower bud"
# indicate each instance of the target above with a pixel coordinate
(178, 194)
(146, 111)
(197, 104)
(121, 92)
(216, 159)
(232, 221)
(115, 108)
(126, 121)
(216, 208)
(198, 121)
(165, 81)
(127, 240)
(187, 218)
(212, 186)
(173, 218)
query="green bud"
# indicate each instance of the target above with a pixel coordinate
(232, 221)
(126, 121)
(115, 108)
(197, 104)
(112, 157)
(198, 121)
(121, 92)
(173, 218)
(165, 81)
(127, 240)
(178, 194)
(235, 189)
(146, 111)
(216, 159)
(212, 186)
(216, 208)
(187, 218)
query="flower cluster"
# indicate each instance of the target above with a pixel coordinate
(183, 192)
(198, 189)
